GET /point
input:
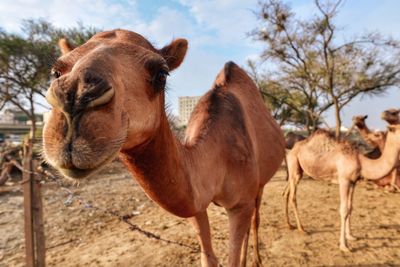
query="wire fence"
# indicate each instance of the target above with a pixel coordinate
(71, 196)
(43, 175)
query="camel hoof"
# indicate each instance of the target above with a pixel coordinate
(351, 238)
(257, 264)
(394, 189)
(291, 227)
(345, 249)
(302, 231)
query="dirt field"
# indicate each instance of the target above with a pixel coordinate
(79, 236)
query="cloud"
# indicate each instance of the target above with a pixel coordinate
(99, 13)
(166, 25)
(227, 21)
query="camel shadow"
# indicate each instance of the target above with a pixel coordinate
(369, 228)
(321, 231)
(367, 246)
(358, 265)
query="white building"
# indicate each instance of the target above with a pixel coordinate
(186, 106)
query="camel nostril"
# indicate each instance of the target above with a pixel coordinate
(69, 148)
(92, 79)
(103, 99)
(95, 89)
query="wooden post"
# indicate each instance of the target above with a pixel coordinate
(28, 216)
(38, 225)
(35, 248)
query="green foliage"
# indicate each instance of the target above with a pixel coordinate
(26, 59)
(25, 63)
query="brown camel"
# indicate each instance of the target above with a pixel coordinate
(108, 98)
(377, 141)
(322, 157)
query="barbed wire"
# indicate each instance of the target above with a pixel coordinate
(123, 218)
(71, 196)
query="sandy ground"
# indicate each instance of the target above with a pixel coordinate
(83, 236)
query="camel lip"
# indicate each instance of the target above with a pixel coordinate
(77, 173)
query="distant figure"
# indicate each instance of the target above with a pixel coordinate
(291, 138)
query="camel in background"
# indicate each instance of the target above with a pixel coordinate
(322, 157)
(291, 138)
(374, 139)
(377, 141)
(108, 98)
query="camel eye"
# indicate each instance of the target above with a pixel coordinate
(158, 72)
(55, 73)
(159, 80)
(162, 76)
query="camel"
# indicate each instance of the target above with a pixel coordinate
(377, 141)
(391, 116)
(108, 98)
(374, 139)
(322, 157)
(291, 138)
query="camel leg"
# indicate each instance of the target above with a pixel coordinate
(286, 197)
(344, 187)
(243, 257)
(239, 225)
(294, 179)
(254, 226)
(202, 227)
(393, 184)
(349, 236)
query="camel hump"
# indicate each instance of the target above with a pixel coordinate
(228, 74)
(229, 69)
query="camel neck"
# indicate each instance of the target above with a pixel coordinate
(367, 135)
(364, 131)
(160, 169)
(374, 169)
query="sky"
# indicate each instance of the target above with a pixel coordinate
(217, 32)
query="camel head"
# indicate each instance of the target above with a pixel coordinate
(391, 116)
(107, 95)
(359, 121)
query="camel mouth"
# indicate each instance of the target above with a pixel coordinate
(77, 173)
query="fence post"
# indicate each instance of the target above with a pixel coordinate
(28, 179)
(38, 225)
(35, 248)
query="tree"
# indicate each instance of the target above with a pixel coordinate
(289, 105)
(25, 62)
(309, 57)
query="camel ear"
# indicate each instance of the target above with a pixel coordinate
(366, 116)
(174, 53)
(65, 46)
